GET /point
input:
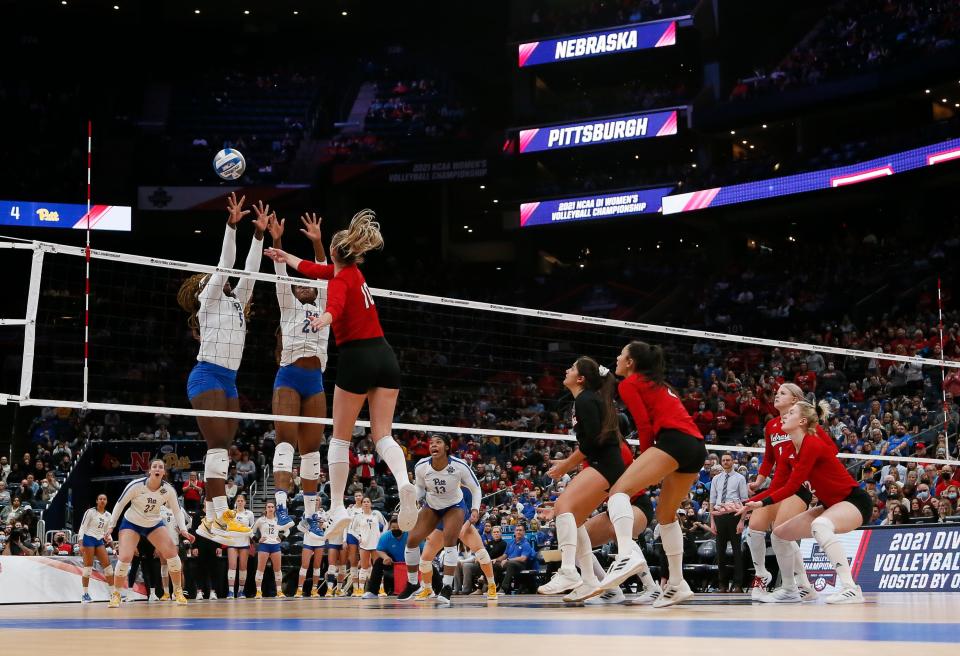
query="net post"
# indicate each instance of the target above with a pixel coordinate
(30, 328)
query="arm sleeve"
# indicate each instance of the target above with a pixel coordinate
(713, 494)
(768, 456)
(228, 256)
(122, 504)
(380, 519)
(84, 524)
(471, 483)
(631, 397)
(318, 271)
(336, 297)
(809, 454)
(254, 255)
(742, 488)
(284, 295)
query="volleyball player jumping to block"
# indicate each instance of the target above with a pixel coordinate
(672, 453)
(218, 318)
(845, 505)
(367, 371)
(298, 388)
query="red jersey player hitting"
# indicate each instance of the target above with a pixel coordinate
(367, 371)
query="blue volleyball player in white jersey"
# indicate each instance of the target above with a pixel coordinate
(93, 536)
(138, 512)
(438, 479)
(218, 318)
(298, 388)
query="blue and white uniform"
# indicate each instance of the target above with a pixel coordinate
(367, 529)
(270, 534)
(467, 504)
(93, 528)
(299, 339)
(247, 519)
(223, 327)
(143, 513)
(169, 518)
(441, 489)
(352, 537)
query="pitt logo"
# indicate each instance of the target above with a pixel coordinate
(46, 215)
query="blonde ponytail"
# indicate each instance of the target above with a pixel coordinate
(361, 236)
(814, 414)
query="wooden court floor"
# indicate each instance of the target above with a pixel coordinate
(889, 623)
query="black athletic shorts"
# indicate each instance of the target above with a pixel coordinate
(859, 498)
(805, 494)
(645, 505)
(609, 462)
(367, 363)
(687, 450)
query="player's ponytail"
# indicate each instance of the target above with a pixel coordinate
(601, 380)
(823, 413)
(362, 235)
(814, 414)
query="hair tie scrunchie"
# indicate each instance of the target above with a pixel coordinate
(603, 370)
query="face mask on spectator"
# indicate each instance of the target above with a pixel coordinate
(923, 495)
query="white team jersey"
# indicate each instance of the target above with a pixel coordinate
(170, 521)
(247, 519)
(298, 338)
(269, 530)
(145, 504)
(442, 488)
(355, 513)
(94, 524)
(368, 528)
(223, 328)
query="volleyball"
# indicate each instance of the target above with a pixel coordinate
(229, 164)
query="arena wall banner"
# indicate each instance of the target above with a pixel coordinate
(599, 130)
(841, 176)
(616, 40)
(64, 215)
(917, 558)
(585, 208)
(213, 197)
(41, 579)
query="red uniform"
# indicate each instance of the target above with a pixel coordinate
(349, 302)
(654, 408)
(779, 448)
(817, 462)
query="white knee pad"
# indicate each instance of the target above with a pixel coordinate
(164, 572)
(216, 464)
(310, 466)
(332, 570)
(174, 565)
(483, 557)
(411, 556)
(339, 451)
(385, 444)
(283, 457)
(108, 571)
(823, 530)
(122, 569)
(449, 556)
(317, 574)
(87, 571)
(303, 572)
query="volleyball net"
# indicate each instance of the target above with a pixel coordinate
(471, 368)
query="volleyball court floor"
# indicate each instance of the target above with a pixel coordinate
(526, 624)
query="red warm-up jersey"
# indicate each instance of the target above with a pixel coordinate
(817, 462)
(349, 302)
(778, 449)
(654, 408)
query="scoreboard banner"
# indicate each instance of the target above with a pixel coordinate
(908, 558)
(64, 215)
(585, 208)
(840, 176)
(616, 40)
(598, 131)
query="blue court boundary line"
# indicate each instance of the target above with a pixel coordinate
(664, 628)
